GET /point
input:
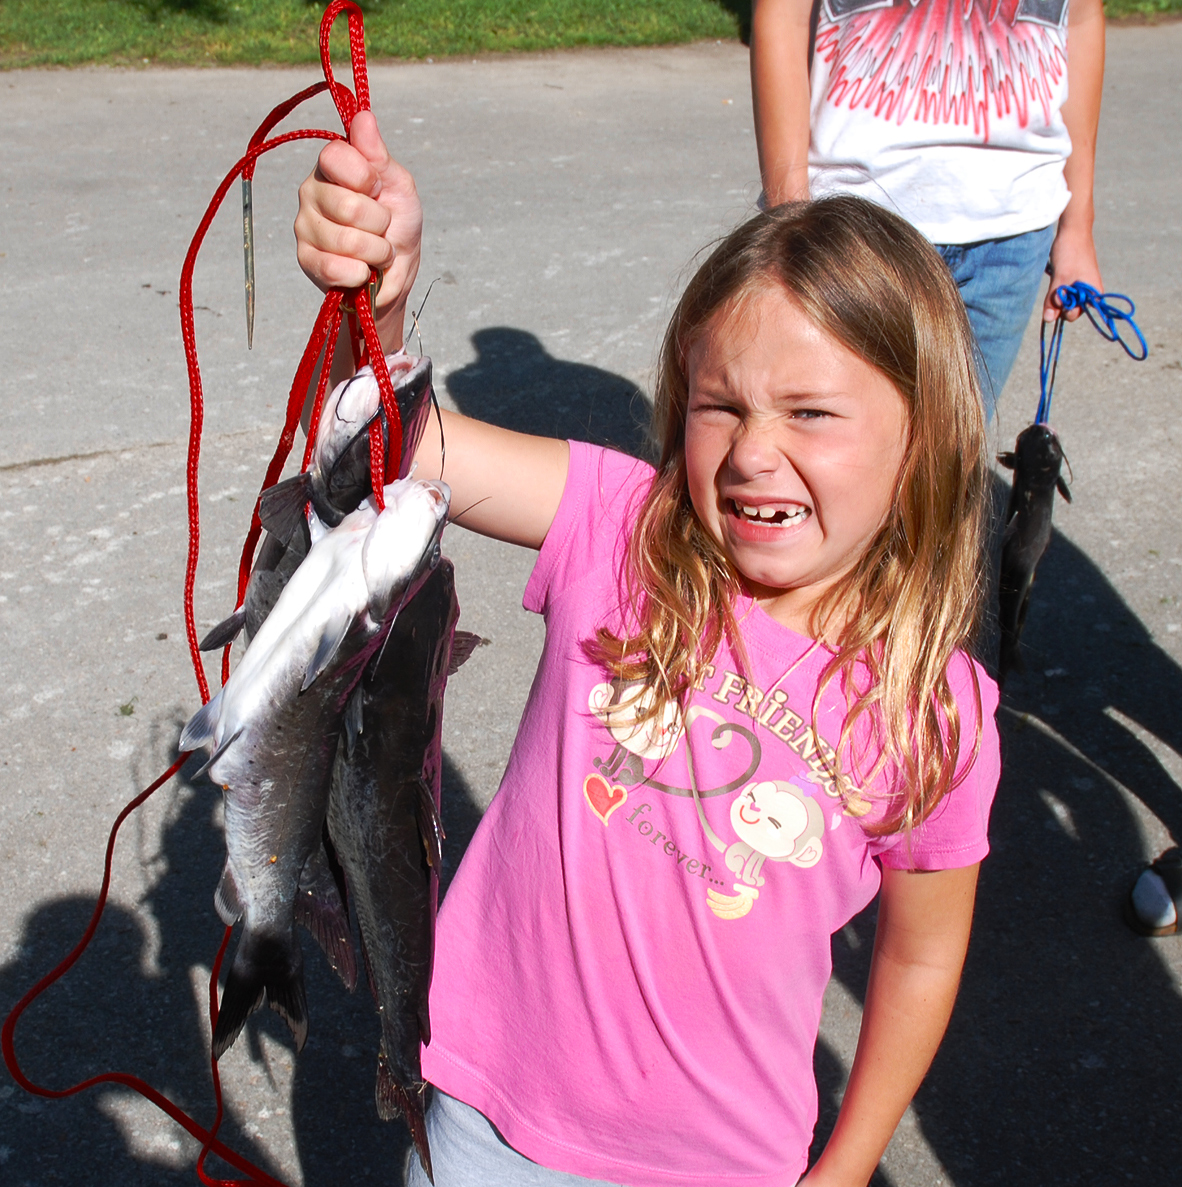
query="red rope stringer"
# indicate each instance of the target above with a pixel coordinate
(364, 341)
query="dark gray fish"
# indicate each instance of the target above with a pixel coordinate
(337, 477)
(383, 816)
(1036, 462)
(274, 729)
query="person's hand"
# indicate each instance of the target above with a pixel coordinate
(359, 210)
(1073, 257)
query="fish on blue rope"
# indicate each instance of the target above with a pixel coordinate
(1037, 462)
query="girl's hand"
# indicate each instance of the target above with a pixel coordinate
(359, 210)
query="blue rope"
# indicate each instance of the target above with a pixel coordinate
(1102, 313)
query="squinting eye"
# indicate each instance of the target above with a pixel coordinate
(707, 409)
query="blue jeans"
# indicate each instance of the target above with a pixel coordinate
(467, 1151)
(999, 280)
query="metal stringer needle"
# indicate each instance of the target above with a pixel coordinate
(248, 255)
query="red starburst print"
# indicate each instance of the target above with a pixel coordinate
(960, 62)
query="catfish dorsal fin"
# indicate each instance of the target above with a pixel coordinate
(463, 644)
(282, 506)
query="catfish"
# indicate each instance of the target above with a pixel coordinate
(335, 483)
(1037, 461)
(274, 727)
(384, 820)
(338, 474)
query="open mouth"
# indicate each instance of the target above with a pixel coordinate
(782, 516)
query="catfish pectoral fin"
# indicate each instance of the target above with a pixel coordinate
(354, 720)
(430, 825)
(225, 632)
(394, 1100)
(217, 753)
(1008, 460)
(335, 630)
(225, 899)
(267, 966)
(1064, 489)
(320, 909)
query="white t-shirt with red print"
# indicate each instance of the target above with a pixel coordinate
(628, 978)
(946, 111)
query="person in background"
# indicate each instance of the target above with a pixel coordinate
(973, 119)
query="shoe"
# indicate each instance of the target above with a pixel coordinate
(1155, 896)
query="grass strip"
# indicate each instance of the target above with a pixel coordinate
(256, 32)
(261, 32)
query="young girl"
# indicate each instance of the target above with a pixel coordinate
(753, 712)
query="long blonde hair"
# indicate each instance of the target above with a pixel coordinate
(872, 282)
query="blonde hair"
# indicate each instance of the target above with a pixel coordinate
(872, 282)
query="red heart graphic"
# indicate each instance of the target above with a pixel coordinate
(603, 798)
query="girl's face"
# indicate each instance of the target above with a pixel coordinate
(793, 444)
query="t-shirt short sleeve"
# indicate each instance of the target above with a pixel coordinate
(956, 833)
(602, 487)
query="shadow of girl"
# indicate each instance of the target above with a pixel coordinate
(1060, 1065)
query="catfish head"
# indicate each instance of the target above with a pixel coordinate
(1037, 460)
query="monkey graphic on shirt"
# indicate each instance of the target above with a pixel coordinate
(772, 819)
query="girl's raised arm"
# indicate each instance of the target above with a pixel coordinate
(359, 210)
(503, 484)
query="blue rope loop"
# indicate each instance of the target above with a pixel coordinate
(1105, 316)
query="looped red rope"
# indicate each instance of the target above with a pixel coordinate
(364, 341)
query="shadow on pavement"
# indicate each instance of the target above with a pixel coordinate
(136, 1003)
(130, 1004)
(514, 383)
(1061, 1063)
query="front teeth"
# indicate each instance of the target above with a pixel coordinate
(767, 514)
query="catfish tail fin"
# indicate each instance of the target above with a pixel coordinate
(265, 966)
(396, 1100)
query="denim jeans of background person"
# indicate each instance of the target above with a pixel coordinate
(973, 119)
(999, 281)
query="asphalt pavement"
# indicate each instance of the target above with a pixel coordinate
(566, 196)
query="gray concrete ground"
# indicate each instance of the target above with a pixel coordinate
(564, 196)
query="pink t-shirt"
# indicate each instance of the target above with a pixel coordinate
(628, 979)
